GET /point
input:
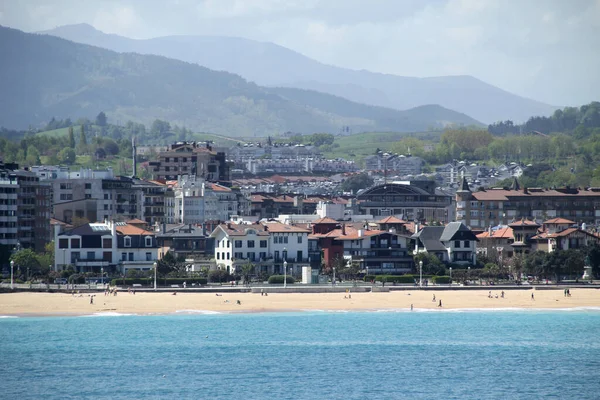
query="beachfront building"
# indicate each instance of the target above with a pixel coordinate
(493, 207)
(108, 246)
(266, 245)
(380, 251)
(453, 243)
(190, 242)
(563, 234)
(407, 200)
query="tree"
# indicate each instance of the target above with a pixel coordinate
(82, 139)
(67, 156)
(33, 156)
(101, 119)
(431, 264)
(357, 182)
(246, 271)
(218, 275)
(71, 138)
(26, 258)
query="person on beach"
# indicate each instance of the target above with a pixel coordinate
(92, 299)
(502, 294)
(439, 305)
(262, 292)
(490, 294)
(433, 300)
(411, 307)
(532, 296)
(568, 292)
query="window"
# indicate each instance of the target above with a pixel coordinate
(106, 207)
(227, 256)
(130, 256)
(63, 243)
(467, 244)
(106, 243)
(457, 244)
(88, 186)
(127, 241)
(166, 159)
(238, 244)
(91, 255)
(123, 256)
(251, 243)
(285, 239)
(75, 256)
(148, 241)
(263, 244)
(148, 256)
(238, 255)
(228, 243)
(218, 255)
(262, 255)
(75, 243)
(175, 159)
(105, 197)
(299, 239)
(250, 256)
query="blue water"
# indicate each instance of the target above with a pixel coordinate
(437, 355)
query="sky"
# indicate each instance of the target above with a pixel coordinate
(547, 50)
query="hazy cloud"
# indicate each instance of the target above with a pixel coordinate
(543, 49)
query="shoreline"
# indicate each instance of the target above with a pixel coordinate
(37, 304)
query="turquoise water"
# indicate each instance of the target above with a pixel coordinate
(316, 355)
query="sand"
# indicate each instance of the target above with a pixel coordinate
(55, 304)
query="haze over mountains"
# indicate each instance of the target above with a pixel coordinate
(45, 76)
(272, 65)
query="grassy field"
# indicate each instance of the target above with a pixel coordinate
(60, 132)
(219, 140)
(357, 146)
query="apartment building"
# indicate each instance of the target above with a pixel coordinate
(499, 206)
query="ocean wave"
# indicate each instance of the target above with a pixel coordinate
(8, 316)
(204, 312)
(108, 314)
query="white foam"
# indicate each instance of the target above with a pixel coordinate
(108, 314)
(204, 312)
(8, 316)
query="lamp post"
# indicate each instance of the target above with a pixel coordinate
(421, 273)
(102, 276)
(12, 267)
(451, 275)
(155, 268)
(333, 282)
(284, 273)
(367, 272)
(468, 273)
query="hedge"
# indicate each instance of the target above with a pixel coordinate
(442, 279)
(278, 279)
(159, 281)
(369, 278)
(395, 278)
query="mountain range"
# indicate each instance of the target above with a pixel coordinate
(269, 64)
(45, 76)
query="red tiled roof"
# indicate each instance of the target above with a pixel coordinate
(391, 220)
(132, 230)
(279, 227)
(524, 222)
(558, 221)
(325, 220)
(502, 233)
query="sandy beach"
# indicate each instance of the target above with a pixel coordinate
(48, 304)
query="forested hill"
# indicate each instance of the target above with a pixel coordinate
(45, 76)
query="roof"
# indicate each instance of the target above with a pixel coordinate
(558, 221)
(453, 228)
(502, 233)
(241, 229)
(464, 186)
(95, 229)
(391, 220)
(504, 194)
(568, 231)
(325, 220)
(278, 227)
(524, 222)
(127, 229)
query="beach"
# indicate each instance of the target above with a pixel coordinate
(58, 304)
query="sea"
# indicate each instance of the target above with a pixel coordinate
(386, 354)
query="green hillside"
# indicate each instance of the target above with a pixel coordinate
(47, 77)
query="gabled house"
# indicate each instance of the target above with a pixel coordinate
(453, 243)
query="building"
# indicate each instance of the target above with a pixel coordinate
(397, 164)
(266, 245)
(8, 211)
(453, 243)
(563, 234)
(191, 158)
(414, 200)
(190, 242)
(493, 207)
(377, 251)
(105, 247)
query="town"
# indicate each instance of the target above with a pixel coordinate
(257, 211)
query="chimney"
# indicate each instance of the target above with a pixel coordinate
(344, 229)
(229, 225)
(490, 231)
(360, 233)
(266, 228)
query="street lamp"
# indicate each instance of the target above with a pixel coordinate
(333, 282)
(451, 275)
(12, 267)
(155, 268)
(284, 273)
(421, 273)
(102, 276)
(367, 272)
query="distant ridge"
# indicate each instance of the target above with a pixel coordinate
(269, 64)
(47, 77)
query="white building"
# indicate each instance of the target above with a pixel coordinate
(453, 243)
(266, 245)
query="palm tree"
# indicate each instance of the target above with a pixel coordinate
(247, 271)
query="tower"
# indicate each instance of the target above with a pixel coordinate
(134, 153)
